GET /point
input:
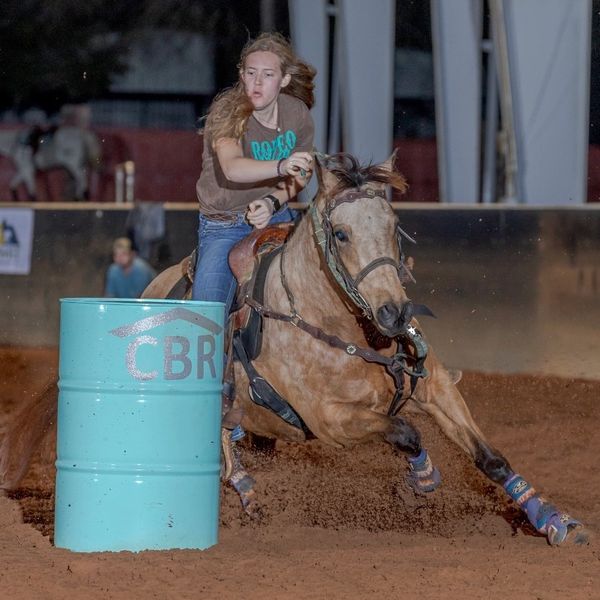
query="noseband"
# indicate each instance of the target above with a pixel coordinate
(325, 237)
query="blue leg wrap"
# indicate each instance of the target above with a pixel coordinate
(237, 433)
(545, 517)
(423, 476)
(418, 463)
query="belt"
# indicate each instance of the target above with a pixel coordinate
(223, 217)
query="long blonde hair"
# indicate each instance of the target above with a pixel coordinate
(229, 112)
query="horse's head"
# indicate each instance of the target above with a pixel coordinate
(360, 237)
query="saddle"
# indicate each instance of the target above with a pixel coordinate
(245, 260)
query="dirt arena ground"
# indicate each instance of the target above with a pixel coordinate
(342, 524)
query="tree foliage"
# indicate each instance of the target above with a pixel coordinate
(57, 51)
(60, 50)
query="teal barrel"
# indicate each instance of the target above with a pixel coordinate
(139, 420)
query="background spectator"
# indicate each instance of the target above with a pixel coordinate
(129, 275)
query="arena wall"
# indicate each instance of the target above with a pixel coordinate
(514, 289)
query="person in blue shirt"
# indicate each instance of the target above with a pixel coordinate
(129, 275)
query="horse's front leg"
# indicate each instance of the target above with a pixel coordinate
(439, 397)
(348, 424)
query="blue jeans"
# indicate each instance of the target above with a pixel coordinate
(213, 280)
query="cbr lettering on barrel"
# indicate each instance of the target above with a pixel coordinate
(177, 358)
(178, 351)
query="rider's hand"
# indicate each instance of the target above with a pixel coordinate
(259, 212)
(298, 163)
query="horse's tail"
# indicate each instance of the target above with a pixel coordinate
(24, 434)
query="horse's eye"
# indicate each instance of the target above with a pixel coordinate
(341, 235)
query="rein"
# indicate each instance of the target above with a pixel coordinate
(395, 365)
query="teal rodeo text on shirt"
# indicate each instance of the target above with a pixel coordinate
(280, 147)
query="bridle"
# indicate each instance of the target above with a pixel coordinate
(324, 234)
(397, 364)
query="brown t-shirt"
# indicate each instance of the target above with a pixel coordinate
(294, 133)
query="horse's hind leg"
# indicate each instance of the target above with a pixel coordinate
(440, 398)
(235, 473)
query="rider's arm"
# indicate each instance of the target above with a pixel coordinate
(290, 187)
(260, 210)
(240, 169)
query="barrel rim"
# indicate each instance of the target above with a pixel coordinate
(142, 301)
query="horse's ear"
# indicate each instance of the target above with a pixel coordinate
(396, 180)
(390, 163)
(327, 180)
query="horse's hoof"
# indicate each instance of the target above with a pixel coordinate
(563, 530)
(423, 477)
(424, 485)
(252, 508)
(243, 484)
(250, 504)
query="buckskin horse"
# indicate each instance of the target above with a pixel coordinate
(328, 299)
(331, 300)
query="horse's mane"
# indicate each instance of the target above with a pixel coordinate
(351, 174)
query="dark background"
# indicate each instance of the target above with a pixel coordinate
(66, 51)
(45, 47)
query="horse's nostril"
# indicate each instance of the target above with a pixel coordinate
(388, 314)
(407, 313)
